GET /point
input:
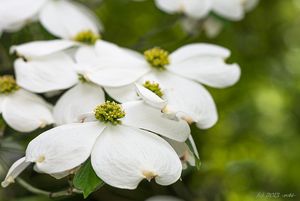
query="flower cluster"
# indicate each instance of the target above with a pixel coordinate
(129, 112)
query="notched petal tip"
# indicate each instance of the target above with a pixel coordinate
(9, 180)
(149, 175)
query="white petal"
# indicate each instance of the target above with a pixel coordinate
(116, 77)
(63, 148)
(112, 65)
(81, 99)
(163, 198)
(188, 97)
(41, 48)
(230, 9)
(197, 9)
(122, 94)
(14, 171)
(25, 111)
(198, 50)
(209, 71)
(150, 98)
(16, 11)
(87, 59)
(207, 67)
(169, 6)
(65, 19)
(141, 115)
(123, 156)
(49, 73)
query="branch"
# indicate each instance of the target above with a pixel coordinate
(68, 192)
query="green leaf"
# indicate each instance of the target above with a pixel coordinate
(86, 179)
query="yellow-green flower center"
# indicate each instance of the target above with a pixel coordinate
(87, 37)
(109, 112)
(157, 58)
(154, 87)
(8, 84)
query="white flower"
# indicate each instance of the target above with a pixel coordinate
(198, 9)
(123, 151)
(177, 75)
(22, 110)
(44, 71)
(163, 198)
(62, 18)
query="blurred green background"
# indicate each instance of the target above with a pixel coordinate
(255, 147)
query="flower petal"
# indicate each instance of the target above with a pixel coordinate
(169, 6)
(49, 73)
(197, 9)
(122, 94)
(15, 11)
(65, 19)
(123, 156)
(116, 77)
(63, 148)
(198, 50)
(189, 98)
(25, 111)
(41, 48)
(141, 115)
(149, 97)
(14, 171)
(112, 65)
(205, 67)
(230, 9)
(81, 99)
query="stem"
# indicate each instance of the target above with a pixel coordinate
(68, 192)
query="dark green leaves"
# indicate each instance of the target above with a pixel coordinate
(86, 179)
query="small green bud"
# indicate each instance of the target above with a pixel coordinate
(157, 58)
(154, 87)
(87, 37)
(8, 84)
(109, 112)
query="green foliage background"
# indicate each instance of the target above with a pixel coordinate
(255, 146)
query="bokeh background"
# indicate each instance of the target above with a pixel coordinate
(254, 149)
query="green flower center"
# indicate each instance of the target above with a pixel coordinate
(87, 37)
(157, 58)
(154, 87)
(8, 84)
(109, 112)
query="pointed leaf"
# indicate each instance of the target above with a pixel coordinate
(87, 180)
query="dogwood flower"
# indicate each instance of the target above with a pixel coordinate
(199, 9)
(120, 140)
(22, 110)
(178, 74)
(57, 71)
(62, 18)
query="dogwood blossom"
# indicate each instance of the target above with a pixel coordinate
(179, 75)
(119, 140)
(199, 9)
(22, 110)
(62, 18)
(50, 71)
